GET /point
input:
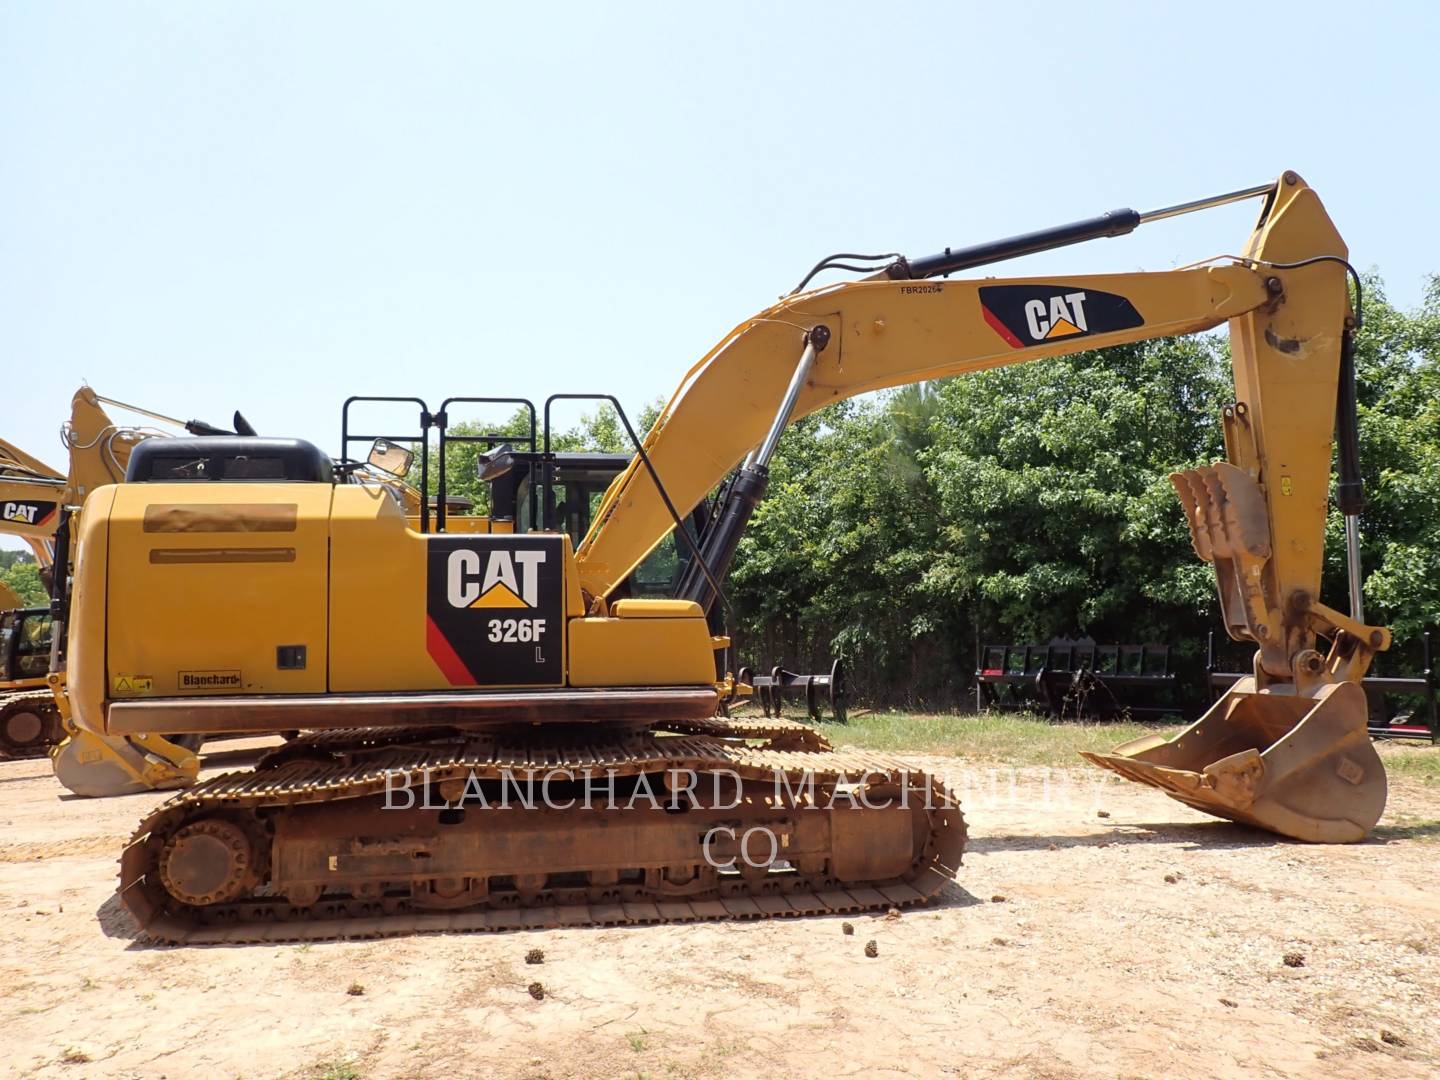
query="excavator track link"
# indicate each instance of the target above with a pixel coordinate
(29, 724)
(777, 734)
(781, 734)
(250, 803)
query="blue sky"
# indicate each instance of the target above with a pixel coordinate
(271, 206)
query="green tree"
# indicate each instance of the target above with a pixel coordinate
(23, 578)
(1019, 503)
(598, 431)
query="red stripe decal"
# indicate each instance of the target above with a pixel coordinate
(1000, 328)
(46, 519)
(444, 655)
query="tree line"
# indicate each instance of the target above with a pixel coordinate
(21, 574)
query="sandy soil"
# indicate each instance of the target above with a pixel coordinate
(1142, 943)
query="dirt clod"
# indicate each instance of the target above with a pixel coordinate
(872, 950)
(535, 956)
(536, 991)
(1171, 879)
(1229, 1004)
(1390, 1038)
(998, 898)
(893, 913)
(847, 928)
(1102, 813)
(1294, 959)
(1364, 1042)
(355, 989)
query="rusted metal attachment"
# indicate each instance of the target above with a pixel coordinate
(1299, 764)
(817, 691)
(1077, 679)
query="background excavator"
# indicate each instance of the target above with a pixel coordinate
(36, 503)
(30, 494)
(441, 667)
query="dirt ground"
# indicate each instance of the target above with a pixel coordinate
(1147, 942)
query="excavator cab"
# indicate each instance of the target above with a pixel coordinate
(24, 644)
(528, 489)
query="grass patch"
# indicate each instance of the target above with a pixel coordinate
(1420, 761)
(637, 1040)
(1410, 829)
(1011, 738)
(337, 1069)
(1029, 739)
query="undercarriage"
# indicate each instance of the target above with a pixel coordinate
(366, 834)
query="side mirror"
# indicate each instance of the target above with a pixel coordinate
(390, 457)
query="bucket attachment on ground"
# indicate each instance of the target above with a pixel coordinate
(1301, 765)
(98, 766)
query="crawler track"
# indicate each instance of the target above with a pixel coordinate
(319, 805)
(29, 723)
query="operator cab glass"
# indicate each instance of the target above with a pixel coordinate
(25, 643)
(579, 485)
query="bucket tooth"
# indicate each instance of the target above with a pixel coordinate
(1226, 512)
(1191, 491)
(1302, 766)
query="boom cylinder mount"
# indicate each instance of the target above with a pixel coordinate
(748, 488)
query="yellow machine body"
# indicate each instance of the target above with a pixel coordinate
(299, 590)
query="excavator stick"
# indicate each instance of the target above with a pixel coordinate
(1302, 766)
(1286, 749)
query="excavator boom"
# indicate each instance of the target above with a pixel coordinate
(1259, 517)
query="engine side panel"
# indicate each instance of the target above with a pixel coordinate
(218, 589)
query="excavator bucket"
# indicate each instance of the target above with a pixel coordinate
(1295, 764)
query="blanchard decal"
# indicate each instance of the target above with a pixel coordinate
(27, 512)
(1027, 315)
(495, 609)
(208, 680)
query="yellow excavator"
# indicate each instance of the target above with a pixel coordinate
(501, 733)
(36, 503)
(29, 500)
